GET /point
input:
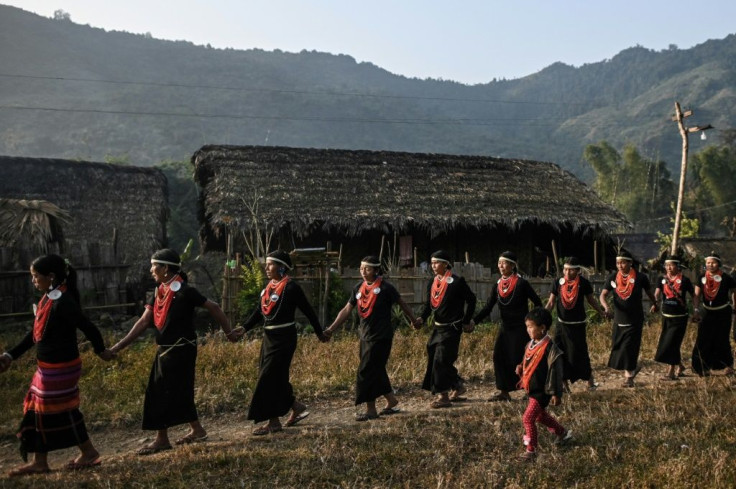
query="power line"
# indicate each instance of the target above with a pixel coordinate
(472, 122)
(690, 212)
(300, 92)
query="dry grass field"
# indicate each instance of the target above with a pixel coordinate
(659, 434)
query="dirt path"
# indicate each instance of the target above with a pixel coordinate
(118, 444)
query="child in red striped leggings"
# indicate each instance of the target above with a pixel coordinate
(541, 376)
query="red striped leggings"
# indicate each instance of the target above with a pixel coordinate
(535, 413)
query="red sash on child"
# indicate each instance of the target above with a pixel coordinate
(43, 311)
(532, 357)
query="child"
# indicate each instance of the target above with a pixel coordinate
(541, 376)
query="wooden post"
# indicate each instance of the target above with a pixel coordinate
(415, 257)
(595, 256)
(323, 306)
(380, 253)
(467, 257)
(683, 172)
(554, 252)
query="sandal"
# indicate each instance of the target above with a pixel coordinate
(189, 439)
(365, 417)
(628, 382)
(266, 429)
(74, 465)
(528, 456)
(387, 411)
(667, 378)
(500, 397)
(456, 394)
(295, 418)
(440, 403)
(150, 450)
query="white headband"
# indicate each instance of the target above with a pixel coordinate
(164, 262)
(713, 258)
(434, 258)
(374, 265)
(567, 265)
(507, 259)
(270, 258)
(627, 258)
(671, 260)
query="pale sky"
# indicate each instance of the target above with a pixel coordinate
(471, 41)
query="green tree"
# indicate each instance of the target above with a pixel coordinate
(639, 187)
(713, 184)
(183, 197)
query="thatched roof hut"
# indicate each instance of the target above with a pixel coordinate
(310, 193)
(116, 214)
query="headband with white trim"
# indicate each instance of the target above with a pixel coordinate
(164, 262)
(713, 258)
(627, 258)
(270, 258)
(567, 265)
(434, 258)
(672, 260)
(374, 265)
(507, 259)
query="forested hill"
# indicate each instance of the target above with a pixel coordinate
(75, 91)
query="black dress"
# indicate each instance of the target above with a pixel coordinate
(456, 309)
(628, 321)
(512, 338)
(674, 318)
(712, 349)
(274, 396)
(169, 399)
(376, 338)
(51, 416)
(570, 335)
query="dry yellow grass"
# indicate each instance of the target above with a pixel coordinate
(678, 434)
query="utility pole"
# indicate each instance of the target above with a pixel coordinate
(684, 131)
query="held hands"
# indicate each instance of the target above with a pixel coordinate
(654, 308)
(518, 370)
(607, 313)
(555, 401)
(324, 337)
(470, 327)
(418, 323)
(234, 335)
(5, 362)
(107, 354)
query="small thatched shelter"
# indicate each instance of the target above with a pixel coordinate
(114, 217)
(475, 204)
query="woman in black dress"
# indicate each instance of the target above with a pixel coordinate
(373, 298)
(570, 337)
(169, 399)
(51, 416)
(672, 288)
(452, 302)
(512, 293)
(273, 396)
(715, 290)
(628, 317)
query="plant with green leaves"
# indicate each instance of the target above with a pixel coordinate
(252, 276)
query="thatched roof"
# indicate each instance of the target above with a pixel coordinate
(34, 222)
(355, 191)
(702, 247)
(105, 203)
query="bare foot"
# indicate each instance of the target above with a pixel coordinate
(29, 469)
